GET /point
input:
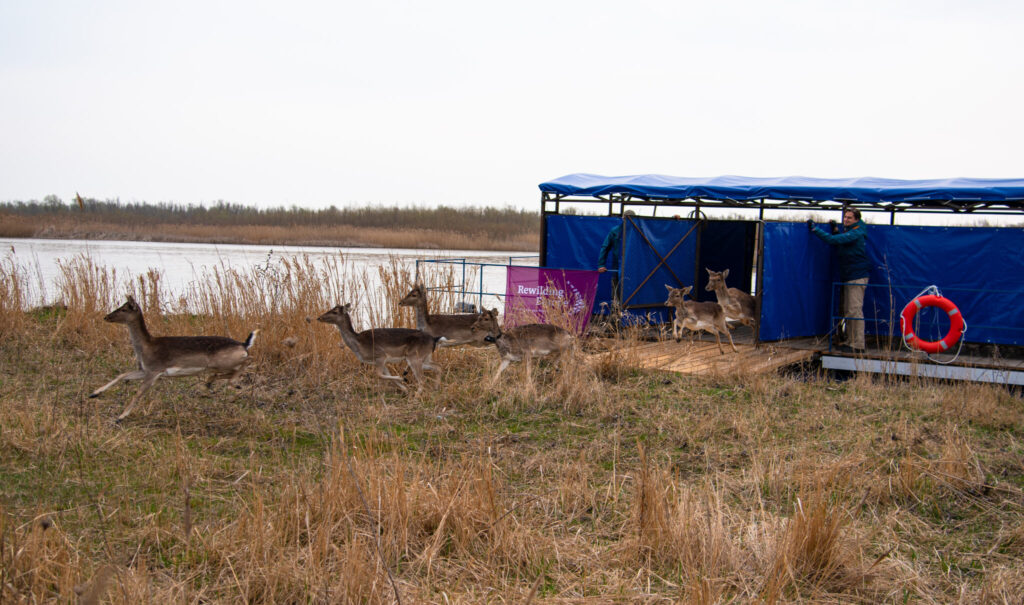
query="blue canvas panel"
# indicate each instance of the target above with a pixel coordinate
(573, 242)
(645, 276)
(863, 190)
(796, 294)
(980, 269)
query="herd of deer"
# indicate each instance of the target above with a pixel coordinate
(225, 358)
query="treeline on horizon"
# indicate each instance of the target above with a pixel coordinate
(498, 223)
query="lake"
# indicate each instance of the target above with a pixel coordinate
(181, 265)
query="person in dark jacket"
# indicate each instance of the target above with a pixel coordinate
(610, 257)
(854, 267)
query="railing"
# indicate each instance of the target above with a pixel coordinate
(463, 290)
(901, 294)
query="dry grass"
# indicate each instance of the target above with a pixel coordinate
(592, 482)
(295, 235)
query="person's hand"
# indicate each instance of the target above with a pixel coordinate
(833, 226)
(601, 269)
(810, 224)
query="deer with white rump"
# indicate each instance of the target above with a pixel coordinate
(455, 328)
(695, 316)
(522, 343)
(380, 346)
(736, 303)
(175, 356)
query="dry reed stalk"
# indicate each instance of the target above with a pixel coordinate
(812, 554)
(88, 290)
(36, 560)
(13, 298)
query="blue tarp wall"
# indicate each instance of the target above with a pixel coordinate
(573, 242)
(645, 275)
(981, 269)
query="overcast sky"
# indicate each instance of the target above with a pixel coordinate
(388, 102)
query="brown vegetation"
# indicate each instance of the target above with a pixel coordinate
(436, 228)
(316, 483)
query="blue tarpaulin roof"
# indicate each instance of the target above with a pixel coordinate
(741, 188)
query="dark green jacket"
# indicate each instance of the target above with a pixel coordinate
(851, 247)
(612, 248)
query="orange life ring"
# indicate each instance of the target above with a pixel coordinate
(956, 323)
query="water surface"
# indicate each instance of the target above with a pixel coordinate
(183, 264)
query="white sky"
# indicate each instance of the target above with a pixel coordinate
(395, 102)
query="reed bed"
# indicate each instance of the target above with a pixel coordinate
(315, 482)
(295, 235)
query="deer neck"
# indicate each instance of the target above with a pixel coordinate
(142, 342)
(722, 292)
(349, 337)
(422, 313)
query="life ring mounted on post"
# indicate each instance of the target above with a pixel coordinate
(956, 323)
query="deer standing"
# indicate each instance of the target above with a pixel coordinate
(456, 328)
(175, 356)
(737, 304)
(522, 343)
(695, 316)
(380, 346)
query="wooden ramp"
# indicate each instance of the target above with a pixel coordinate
(704, 358)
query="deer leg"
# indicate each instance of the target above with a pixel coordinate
(501, 368)
(731, 343)
(230, 375)
(146, 384)
(417, 366)
(133, 375)
(382, 371)
(428, 365)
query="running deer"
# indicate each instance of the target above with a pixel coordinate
(522, 343)
(695, 316)
(456, 329)
(737, 304)
(380, 346)
(175, 356)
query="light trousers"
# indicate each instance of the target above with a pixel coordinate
(853, 311)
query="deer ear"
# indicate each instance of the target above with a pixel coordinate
(668, 287)
(708, 269)
(725, 274)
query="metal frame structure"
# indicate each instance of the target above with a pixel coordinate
(618, 202)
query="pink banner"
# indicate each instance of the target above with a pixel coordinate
(563, 297)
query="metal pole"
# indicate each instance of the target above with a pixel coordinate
(543, 231)
(759, 249)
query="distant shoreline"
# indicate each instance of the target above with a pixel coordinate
(439, 228)
(340, 236)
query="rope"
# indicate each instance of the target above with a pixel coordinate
(934, 290)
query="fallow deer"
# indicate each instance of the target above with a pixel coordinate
(175, 356)
(522, 343)
(456, 328)
(736, 303)
(694, 316)
(380, 346)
